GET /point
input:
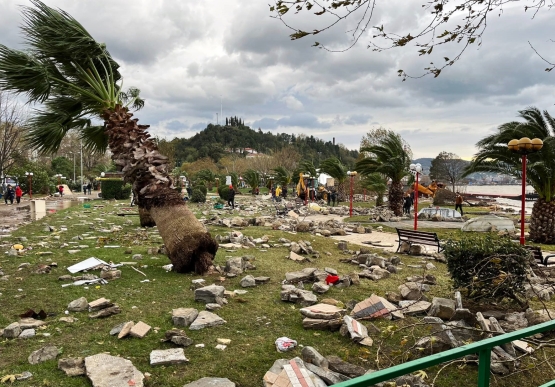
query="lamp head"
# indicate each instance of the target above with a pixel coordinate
(513, 145)
(418, 168)
(102, 174)
(537, 144)
(412, 166)
(524, 144)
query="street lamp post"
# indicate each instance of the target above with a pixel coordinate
(415, 169)
(524, 147)
(30, 177)
(352, 174)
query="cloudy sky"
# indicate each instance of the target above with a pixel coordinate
(188, 56)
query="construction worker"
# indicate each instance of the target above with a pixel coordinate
(459, 202)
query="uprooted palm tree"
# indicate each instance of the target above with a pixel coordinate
(494, 156)
(76, 80)
(338, 171)
(390, 157)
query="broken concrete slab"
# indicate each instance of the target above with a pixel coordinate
(139, 330)
(211, 382)
(206, 319)
(107, 371)
(73, 366)
(167, 356)
(183, 317)
(210, 294)
(126, 329)
(49, 352)
(323, 311)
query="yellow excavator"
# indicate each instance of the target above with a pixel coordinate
(302, 191)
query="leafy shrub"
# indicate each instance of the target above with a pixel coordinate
(115, 189)
(223, 191)
(198, 196)
(201, 187)
(488, 267)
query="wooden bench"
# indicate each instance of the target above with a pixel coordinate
(538, 255)
(418, 238)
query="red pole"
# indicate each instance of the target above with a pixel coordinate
(416, 203)
(522, 210)
(351, 207)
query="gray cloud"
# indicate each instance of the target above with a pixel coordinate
(191, 59)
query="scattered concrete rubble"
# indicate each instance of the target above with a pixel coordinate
(106, 371)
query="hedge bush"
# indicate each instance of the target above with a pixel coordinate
(115, 189)
(488, 267)
(201, 187)
(198, 196)
(223, 191)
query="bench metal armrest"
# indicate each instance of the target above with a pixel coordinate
(546, 258)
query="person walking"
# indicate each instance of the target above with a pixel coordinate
(333, 197)
(61, 190)
(231, 197)
(10, 193)
(407, 204)
(18, 194)
(89, 188)
(459, 203)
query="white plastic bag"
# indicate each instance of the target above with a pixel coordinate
(284, 344)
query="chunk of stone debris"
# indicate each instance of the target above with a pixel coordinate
(167, 356)
(413, 291)
(305, 274)
(535, 317)
(12, 331)
(30, 323)
(99, 304)
(338, 365)
(322, 324)
(183, 317)
(73, 366)
(311, 355)
(248, 282)
(210, 294)
(27, 333)
(235, 265)
(49, 352)
(126, 329)
(212, 307)
(106, 312)
(414, 307)
(375, 307)
(110, 274)
(140, 330)
(108, 371)
(117, 329)
(320, 287)
(329, 377)
(206, 319)
(78, 305)
(431, 344)
(211, 382)
(357, 331)
(443, 308)
(322, 311)
(292, 294)
(261, 280)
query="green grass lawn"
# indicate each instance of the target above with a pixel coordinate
(254, 320)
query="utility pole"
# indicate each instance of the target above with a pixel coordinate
(217, 121)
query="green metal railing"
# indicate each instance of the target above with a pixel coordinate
(483, 348)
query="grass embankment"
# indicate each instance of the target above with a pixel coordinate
(254, 320)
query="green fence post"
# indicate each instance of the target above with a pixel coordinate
(484, 364)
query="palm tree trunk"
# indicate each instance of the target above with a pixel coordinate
(189, 245)
(395, 198)
(342, 195)
(542, 222)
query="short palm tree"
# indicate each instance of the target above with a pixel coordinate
(207, 176)
(375, 183)
(389, 158)
(252, 178)
(283, 176)
(76, 80)
(338, 171)
(494, 156)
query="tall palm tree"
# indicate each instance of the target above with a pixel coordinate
(338, 171)
(494, 156)
(388, 157)
(76, 80)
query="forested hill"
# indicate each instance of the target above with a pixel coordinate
(217, 140)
